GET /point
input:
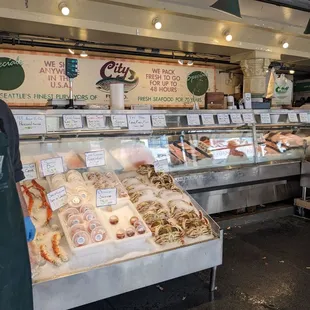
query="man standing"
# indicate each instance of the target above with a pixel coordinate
(15, 273)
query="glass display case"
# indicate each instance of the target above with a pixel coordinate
(107, 191)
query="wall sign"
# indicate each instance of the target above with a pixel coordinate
(34, 78)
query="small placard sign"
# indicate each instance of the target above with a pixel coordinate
(52, 166)
(31, 124)
(96, 121)
(95, 159)
(119, 121)
(72, 121)
(159, 120)
(57, 198)
(139, 122)
(106, 197)
(265, 118)
(30, 171)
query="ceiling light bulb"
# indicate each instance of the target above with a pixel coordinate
(64, 9)
(157, 24)
(285, 44)
(71, 51)
(181, 62)
(228, 37)
(83, 54)
(292, 71)
(190, 63)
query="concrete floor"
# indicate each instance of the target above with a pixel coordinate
(266, 266)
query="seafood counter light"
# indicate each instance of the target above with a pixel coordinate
(107, 192)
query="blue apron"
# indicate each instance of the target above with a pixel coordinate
(15, 273)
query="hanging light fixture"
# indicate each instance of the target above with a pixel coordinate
(228, 36)
(64, 9)
(292, 71)
(230, 7)
(190, 63)
(307, 30)
(181, 62)
(285, 44)
(157, 23)
(71, 51)
(83, 54)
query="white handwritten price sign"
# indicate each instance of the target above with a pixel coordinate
(119, 121)
(30, 171)
(52, 166)
(106, 197)
(304, 117)
(193, 120)
(96, 121)
(57, 198)
(139, 122)
(248, 118)
(265, 118)
(95, 159)
(207, 119)
(223, 119)
(161, 165)
(292, 117)
(159, 120)
(72, 121)
(236, 118)
(31, 124)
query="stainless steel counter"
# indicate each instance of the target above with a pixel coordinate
(230, 188)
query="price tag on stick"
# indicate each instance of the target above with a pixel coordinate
(30, 171)
(139, 122)
(248, 118)
(30, 124)
(193, 120)
(96, 121)
(293, 118)
(265, 118)
(223, 119)
(236, 118)
(119, 121)
(106, 197)
(159, 120)
(72, 121)
(52, 166)
(57, 198)
(207, 119)
(95, 159)
(161, 165)
(304, 117)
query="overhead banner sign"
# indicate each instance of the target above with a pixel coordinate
(33, 78)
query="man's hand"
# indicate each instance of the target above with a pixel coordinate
(30, 229)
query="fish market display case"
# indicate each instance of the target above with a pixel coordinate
(118, 196)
